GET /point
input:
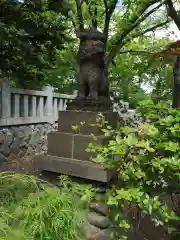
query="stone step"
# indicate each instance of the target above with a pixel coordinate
(84, 119)
(98, 220)
(70, 145)
(72, 167)
(100, 208)
(94, 233)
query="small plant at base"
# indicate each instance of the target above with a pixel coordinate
(77, 128)
(147, 167)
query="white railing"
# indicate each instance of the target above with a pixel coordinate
(19, 106)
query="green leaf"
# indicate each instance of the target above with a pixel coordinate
(131, 140)
(124, 224)
(172, 146)
(146, 145)
(118, 139)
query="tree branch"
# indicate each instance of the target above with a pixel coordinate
(135, 51)
(79, 13)
(108, 12)
(151, 29)
(155, 27)
(135, 20)
(94, 14)
(172, 13)
(107, 20)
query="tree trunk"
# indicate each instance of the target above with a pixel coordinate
(176, 92)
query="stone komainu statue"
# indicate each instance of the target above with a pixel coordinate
(93, 71)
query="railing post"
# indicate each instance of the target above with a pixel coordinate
(40, 107)
(5, 98)
(49, 101)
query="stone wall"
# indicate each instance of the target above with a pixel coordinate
(19, 143)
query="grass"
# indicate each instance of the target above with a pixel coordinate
(33, 212)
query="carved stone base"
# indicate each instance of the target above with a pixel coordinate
(102, 104)
(72, 167)
(67, 119)
(67, 149)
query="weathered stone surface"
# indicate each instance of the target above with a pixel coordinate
(74, 146)
(91, 231)
(93, 69)
(99, 208)
(69, 118)
(11, 157)
(2, 159)
(72, 167)
(102, 235)
(81, 143)
(15, 146)
(19, 144)
(6, 149)
(12, 166)
(99, 221)
(60, 144)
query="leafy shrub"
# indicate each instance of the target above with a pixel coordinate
(34, 214)
(147, 166)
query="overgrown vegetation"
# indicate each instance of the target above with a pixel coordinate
(34, 210)
(147, 167)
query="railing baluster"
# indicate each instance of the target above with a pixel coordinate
(20, 106)
(65, 104)
(17, 106)
(55, 108)
(5, 100)
(48, 103)
(61, 104)
(34, 106)
(25, 106)
(40, 107)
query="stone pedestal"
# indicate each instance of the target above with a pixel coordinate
(67, 149)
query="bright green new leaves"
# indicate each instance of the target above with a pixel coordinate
(131, 140)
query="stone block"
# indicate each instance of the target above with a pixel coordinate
(103, 235)
(81, 143)
(69, 118)
(99, 208)
(91, 231)
(98, 220)
(60, 144)
(72, 145)
(72, 167)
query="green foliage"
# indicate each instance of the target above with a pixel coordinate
(34, 33)
(64, 74)
(134, 72)
(31, 31)
(147, 166)
(34, 210)
(121, 21)
(163, 84)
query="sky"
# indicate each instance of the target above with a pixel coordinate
(166, 33)
(161, 34)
